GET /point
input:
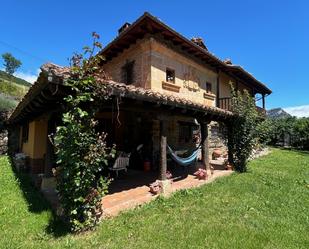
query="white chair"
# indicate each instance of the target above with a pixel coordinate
(121, 163)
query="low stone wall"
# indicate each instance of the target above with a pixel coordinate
(3, 133)
(3, 143)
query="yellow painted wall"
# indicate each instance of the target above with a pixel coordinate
(40, 140)
(35, 147)
(28, 147)
(225, 89)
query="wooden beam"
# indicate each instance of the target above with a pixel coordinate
(163, 161)
(205, 145)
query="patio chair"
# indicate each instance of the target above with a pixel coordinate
(121, 163)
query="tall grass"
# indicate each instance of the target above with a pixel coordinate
(12, 89)
(7, 103)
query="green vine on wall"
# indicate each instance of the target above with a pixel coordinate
(81, 152)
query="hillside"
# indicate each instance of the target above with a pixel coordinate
(277, 113)
(12, 89)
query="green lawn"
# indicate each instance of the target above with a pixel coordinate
(268, 207)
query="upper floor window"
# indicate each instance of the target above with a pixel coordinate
(208, 87)
(170, 75)
(128, 72)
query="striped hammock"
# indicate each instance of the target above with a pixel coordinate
(184, 161)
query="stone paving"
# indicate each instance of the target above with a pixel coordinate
(129, 198)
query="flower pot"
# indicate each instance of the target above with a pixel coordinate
(216, 153)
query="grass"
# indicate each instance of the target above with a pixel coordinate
(12, 89)
(6, 77)
(268, 207)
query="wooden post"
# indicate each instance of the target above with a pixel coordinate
(218, 89)
(229, 144)
(205, 145)
(163, 164)
(263, 100)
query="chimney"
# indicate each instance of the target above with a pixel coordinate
(228, 61)
(200, 42)
(123, 27)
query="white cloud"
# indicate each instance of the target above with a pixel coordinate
(28, 76)
(298, 111)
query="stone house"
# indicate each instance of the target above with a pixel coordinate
(164, 88)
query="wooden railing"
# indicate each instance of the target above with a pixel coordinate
(226, 104)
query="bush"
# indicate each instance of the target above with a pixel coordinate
(242, 129)
(81, 152)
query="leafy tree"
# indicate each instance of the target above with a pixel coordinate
(242, 129)
(11, 64)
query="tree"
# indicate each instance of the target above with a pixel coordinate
(11, 64)
(242, 129)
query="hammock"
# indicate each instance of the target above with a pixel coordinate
(184, 161)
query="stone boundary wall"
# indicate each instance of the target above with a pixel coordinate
(3, 133)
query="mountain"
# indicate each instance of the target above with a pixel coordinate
(277, 113)
(12, 89)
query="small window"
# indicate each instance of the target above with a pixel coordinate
(170, 75)
(128, 72)
(25, 132)
(208, 87)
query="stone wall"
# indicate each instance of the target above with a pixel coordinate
(217, 137)
(3, 133)
(3, 142)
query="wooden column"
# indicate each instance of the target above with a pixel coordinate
(163, 164)
(205, 145)
(218, 89)
(230, 143)
(263, 100)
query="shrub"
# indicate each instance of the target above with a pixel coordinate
(242, 129)
(81, 152)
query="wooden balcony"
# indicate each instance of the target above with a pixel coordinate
(226, 104)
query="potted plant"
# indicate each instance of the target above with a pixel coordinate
(201, 174)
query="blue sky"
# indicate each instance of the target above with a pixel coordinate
(270, 39)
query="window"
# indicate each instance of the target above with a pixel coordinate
(25, 132)
(208, 87)
(127, 72)
(170, 75)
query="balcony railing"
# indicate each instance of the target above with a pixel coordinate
(226, 104)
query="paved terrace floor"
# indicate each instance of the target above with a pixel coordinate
(132, 189)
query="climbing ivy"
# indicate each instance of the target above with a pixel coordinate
(242, 129)
(81, 152)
